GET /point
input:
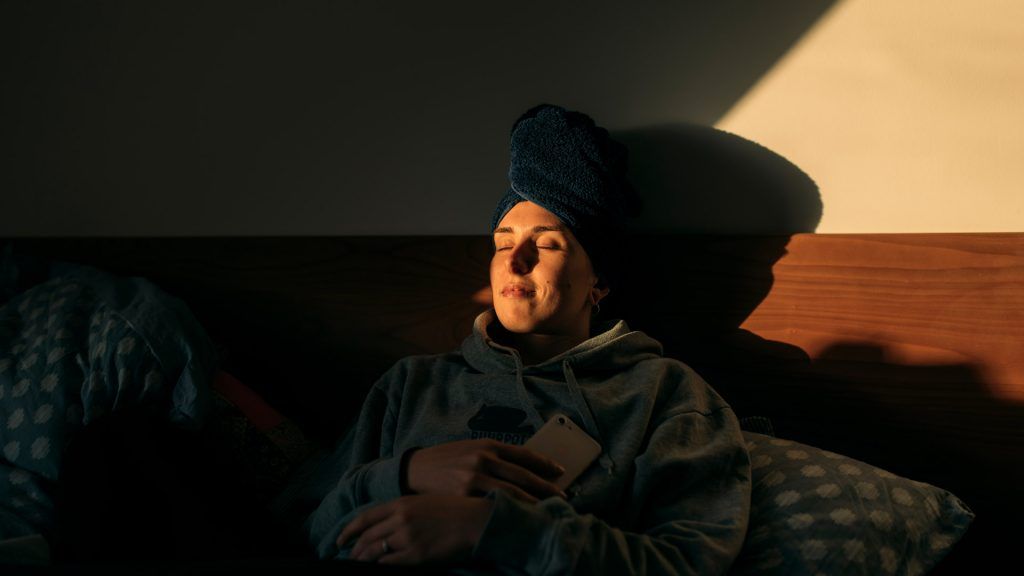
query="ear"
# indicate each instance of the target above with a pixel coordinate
(599, 291)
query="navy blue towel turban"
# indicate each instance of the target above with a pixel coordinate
(563, 162)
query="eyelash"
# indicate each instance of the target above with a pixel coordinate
(502, 248)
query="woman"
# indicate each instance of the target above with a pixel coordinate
(434, 467)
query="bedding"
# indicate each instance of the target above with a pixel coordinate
(74, 349)
(818, 512)
(259, 445)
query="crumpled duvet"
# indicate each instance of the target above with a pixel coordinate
(74, 349)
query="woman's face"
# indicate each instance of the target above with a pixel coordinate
(542, 281)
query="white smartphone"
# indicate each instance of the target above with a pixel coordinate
(564, 442)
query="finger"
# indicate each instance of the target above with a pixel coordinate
(368, 547)
(490, 483)
(404, 550)
(532, 461)
(401, 549)
(399, 557)
(524, 479)
(518, 492)
(372, 551)
(362, 522)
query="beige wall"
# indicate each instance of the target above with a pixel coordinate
(908, 114)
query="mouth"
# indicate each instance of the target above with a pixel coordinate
(517, 291)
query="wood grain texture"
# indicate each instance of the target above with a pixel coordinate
(930, 300)
(905, 351)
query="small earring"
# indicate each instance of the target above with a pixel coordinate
(596, 309)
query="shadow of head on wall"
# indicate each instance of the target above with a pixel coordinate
(718, 212)
(697, 179)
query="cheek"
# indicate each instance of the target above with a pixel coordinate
(576, 284)
(494, 269)
(568, 278)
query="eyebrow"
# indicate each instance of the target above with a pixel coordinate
(536, 229)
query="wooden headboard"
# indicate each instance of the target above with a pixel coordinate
(905, 351)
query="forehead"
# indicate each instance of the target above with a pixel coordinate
(529, 215)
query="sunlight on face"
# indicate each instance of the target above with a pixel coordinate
(542, 281)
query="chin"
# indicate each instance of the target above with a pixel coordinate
(516, 323)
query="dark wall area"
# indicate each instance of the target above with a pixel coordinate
(336, 118)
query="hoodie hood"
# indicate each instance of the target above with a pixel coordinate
(612, 346)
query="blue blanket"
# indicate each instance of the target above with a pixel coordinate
(73, 349)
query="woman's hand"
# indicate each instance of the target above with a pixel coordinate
(475, 467)
(418, 529)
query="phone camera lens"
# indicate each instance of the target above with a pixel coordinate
(561, 420)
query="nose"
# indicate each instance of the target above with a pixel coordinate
(522, 259)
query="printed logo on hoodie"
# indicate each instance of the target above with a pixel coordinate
(502, 423)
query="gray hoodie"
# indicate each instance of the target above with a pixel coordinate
(670, 493)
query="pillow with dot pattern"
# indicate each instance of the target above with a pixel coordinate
(817, 512)
(74, 349)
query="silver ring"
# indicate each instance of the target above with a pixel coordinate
(384, 546)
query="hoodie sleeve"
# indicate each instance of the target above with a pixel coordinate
(372, 472)
(690, 496)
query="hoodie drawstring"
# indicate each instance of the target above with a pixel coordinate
(583, 409)
(524, 395)
(576, 393)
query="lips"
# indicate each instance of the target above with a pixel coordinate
(517, 291)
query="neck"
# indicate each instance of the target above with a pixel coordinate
(536, 348)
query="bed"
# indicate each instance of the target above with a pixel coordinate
(901, 352)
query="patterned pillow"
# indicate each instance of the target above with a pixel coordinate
(817, 512)
(73, 350)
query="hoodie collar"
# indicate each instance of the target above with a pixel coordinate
(611, 345)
